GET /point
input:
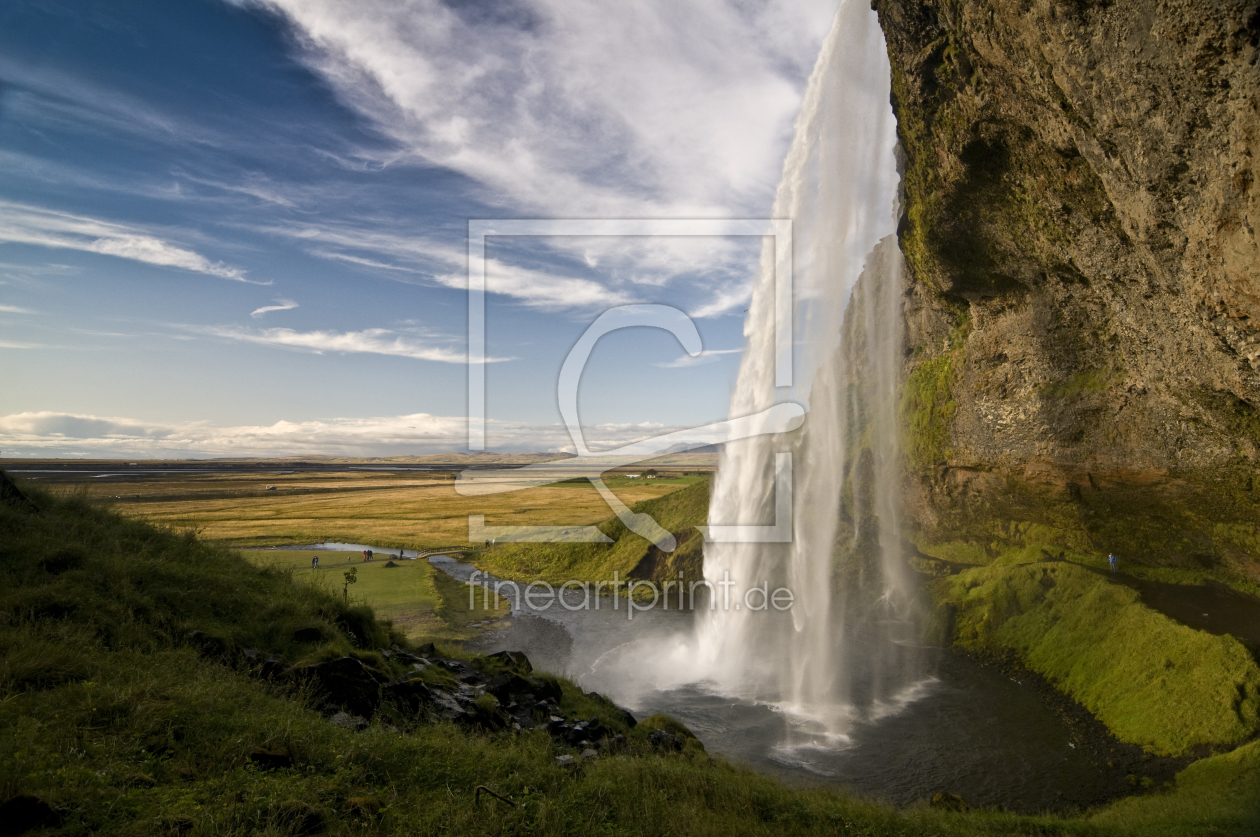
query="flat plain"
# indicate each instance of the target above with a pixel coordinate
(415, 509)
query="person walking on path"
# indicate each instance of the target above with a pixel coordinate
(1111, 559)
(314, 562)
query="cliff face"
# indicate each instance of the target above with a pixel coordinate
(1083, 312)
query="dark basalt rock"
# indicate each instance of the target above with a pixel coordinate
(310, 633)
(271, 758)
(24, 812)
(61, 561)
(666, 740)
(411, 694)
(514, 660)
(347, 683)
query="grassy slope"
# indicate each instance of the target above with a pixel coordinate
(679, 512)
(421, 602)
(1152, 681)
(106, 715)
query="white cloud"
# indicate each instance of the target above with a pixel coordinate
(377, 341)
(68, 434)
(652, 109)
(535, 288)
(281, 305)
(9, 344)
(48, 228)
(707, 356)
(13, 309)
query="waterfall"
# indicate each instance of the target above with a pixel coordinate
(844, 652)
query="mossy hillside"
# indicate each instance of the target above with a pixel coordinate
(1179, 528)
(125, 731)
(1152, 681)
(679, 512)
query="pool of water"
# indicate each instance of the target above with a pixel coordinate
(961, 728)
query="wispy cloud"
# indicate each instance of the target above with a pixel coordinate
(423, 257)
(707, 356)
(628, 109)
(24, 224)
(652, 109)
(281, 305)
(376, 341)
(9, 344)
(13, 309)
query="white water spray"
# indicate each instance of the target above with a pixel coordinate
(835, 657)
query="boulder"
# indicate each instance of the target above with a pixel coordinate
(347, 683)
(514, 660)
(24, 812)
(410, 694)
(309, 633)
(271, 758)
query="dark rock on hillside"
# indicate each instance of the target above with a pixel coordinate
(22, 813)
(346, 683)
(271, 758)
(310, 633)
(62, 561)
(1083, 307)
(514, 660)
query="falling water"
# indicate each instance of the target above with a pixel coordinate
(844, 651)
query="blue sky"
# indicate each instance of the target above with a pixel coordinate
(238, 228)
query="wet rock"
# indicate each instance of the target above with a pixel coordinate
(665, 740)
(25, 812)
(309, 633)
(515, 660)
(271, 758)
(412, 694)
(347, 683)
(507, 687)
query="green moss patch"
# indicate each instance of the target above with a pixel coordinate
(1152, 681)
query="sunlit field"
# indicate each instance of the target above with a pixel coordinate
(419, 510)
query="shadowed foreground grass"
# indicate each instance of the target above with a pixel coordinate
(108, 716)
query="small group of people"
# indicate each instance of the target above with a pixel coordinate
(367, 555)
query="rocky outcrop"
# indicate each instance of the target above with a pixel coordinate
(1083, 313)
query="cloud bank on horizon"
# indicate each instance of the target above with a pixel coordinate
(50, 434)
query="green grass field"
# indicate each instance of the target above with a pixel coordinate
(421, 602)
(419, 510)
(109, 716)
(679, 512)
